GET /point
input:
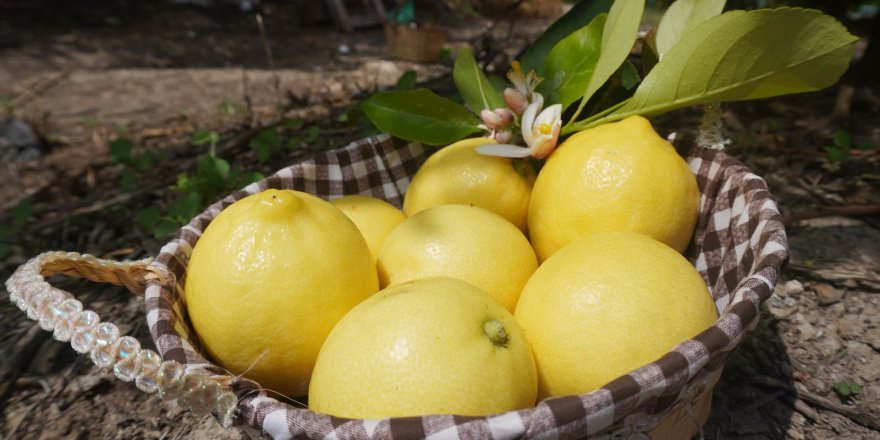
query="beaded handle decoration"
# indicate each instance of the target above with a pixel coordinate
(59, 312)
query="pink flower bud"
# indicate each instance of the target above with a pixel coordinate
(515, 100)
(506, 116)
(503, 137)
(491, 119)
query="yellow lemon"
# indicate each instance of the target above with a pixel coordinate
(607, 304)
(268, 280)
(620, 176)
(459, 175)
(465, 242)
(430, 346)
(374, 218)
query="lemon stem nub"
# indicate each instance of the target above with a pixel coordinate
(496, 333)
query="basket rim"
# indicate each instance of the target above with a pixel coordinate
(650, 386)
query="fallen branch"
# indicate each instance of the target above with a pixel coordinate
(853, 413)
(829, 211)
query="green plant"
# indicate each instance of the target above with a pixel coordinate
(847, 389)
(20, 215)
(213, 178)
(290, 134)
(135, 163)
(578, 67)
(842, 146)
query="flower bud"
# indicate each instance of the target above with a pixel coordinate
(515, 101)
(491, 119)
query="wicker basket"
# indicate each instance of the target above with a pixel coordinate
(739, 248)
(422, 44)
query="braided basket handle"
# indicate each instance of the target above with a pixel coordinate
(58, 311)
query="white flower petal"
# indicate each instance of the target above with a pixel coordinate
(503, 150)
(528, 120)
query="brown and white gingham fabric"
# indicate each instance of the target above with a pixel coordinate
(739, 248)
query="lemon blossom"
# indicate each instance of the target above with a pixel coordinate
(519, 97)
(540, 131)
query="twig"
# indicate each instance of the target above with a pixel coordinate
(41, 87)
(828, 211)
(265, 41)
(867, 420)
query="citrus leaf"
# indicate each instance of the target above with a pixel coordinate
(741, 55)
(577, 17)
(420, 115)
(570, 65)
(473, 85)
(681, 17)
(618, 37)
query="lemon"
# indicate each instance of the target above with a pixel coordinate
(465, 242)
(607, 304)
(435, 345)
(620, 176)
(374, 218)
(268, 280)
(457, 174)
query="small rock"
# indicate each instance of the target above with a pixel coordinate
(793, 287)
(780, 308)
(829, 345)
(18, 142)
(804, 329)
(827, 294)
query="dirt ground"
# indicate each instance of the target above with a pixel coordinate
(157, 73)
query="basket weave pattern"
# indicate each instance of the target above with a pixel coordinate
(739, 248)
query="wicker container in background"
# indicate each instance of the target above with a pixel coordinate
(423, 43)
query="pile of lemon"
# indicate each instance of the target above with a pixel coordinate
(495, 287)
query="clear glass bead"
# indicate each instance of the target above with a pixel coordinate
(36, 299)
(146, 380)
(49, 310)
(127, 364)
(83, 339)
(225, 408)
(66, 314)
(170, 374)
(209, 396)
(104, 352)
(103, 356)
(191, 386)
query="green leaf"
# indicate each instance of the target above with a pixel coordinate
(206, 137)
(248, 178)
(570, 65)
(265, 143)
(21, 213)
(842, 139)
(650, 57)
(186, 207)
(143, 161)
(837, 154)
(846, 388)
(618, 38)
(629, 75)
(420, 115)
(865, 144)
(292, 124)
(165, 227)
(577, 17)
(743, 55)
(312, 134)
(148, 217)
(407, 81)
(473, 85)
(681, 17)
(127, 180)
(212, 172)
(120, 151)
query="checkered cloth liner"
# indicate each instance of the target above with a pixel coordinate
(739, 248)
